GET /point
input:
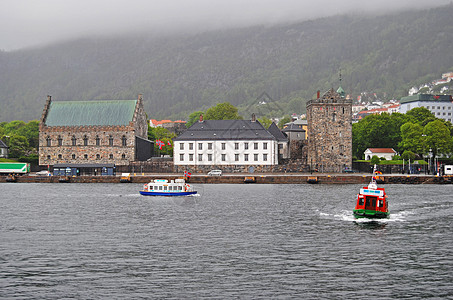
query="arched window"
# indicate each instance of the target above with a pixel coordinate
(124, 141)
(98, 156)
(60, 141)
(111, 156)
(98, 141)
(74, 140)
(111, 141)
(334, 117)
(123, 156)
(49, 141)
(85, 140)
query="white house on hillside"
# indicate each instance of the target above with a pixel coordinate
(386, 153)
(226, 142)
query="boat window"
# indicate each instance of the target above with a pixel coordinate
(160, 188)
(360, 201)
(170, 188)
(381, 203)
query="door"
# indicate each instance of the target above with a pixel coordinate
(370, 203)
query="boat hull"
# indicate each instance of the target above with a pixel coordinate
(370, 214)
(168, 194)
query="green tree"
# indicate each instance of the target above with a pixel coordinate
(18, 146)
(408, 155)
(222, 111)
(266, 122)
(412, 138)
(163, 135)
(283, 121)
(437, 137)
(194, 117)
(420, 115)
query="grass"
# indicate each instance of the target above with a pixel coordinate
(396, 162)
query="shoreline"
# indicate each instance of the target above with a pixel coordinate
(268, 178)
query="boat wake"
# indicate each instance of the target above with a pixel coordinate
(346, 215)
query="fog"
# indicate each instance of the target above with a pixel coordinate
(26, 23)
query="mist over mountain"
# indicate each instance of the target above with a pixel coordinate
(178, 74)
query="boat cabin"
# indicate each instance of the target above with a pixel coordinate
(371, 203)
(162, 185)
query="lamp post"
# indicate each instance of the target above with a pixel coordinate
(429, 162)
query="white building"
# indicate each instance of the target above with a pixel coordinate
(226, 142)
(386, 153)
(441, 106)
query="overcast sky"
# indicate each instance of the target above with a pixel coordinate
(25, 23)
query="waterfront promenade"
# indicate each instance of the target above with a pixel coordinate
(259, 178)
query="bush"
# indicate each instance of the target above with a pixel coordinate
(375, 160)
(408, 155)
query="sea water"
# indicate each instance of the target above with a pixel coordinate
(105, 241)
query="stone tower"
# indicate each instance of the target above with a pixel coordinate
(330, 132)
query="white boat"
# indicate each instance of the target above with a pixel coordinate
(161, 187)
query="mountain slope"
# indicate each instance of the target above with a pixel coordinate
(180, 74)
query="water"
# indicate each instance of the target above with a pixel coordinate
(105, 241)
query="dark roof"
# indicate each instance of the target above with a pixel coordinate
(91, 113)
(2, 144)
(226, 130)
(291, 127)
(426, 97)
(277, 133)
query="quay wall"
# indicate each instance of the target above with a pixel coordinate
(239, 178)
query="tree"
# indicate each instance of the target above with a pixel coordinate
(420, 115)
(194, 117)
(412, 138)
(408, 155)
(437, 137)
(266, 122)
(283, 121)
(18, 146)
(222, 111)
(163, 135)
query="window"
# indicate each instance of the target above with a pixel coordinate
(341, 148)
(236, 146)
(98, 141)
(246, 146)
(265, 157)
(111, 156)
(209, 157)
(48, 156)
(200, 146)
(124, 141)
(209, 146)
(181, 157)
(264, 146)
(49, 141)
(74, 140)
(59, 156)
(223, 157)
(111, 141)
(190, 146)
(60, 141)
(255, 157)
(73, 156)
(236, 157)
(223, 146)
(246, 157)
(255, 146)
(181, 146)
(334, 117)
(341, 134)
(98, 156)
(200, 157)
(190, 157)
(85, 140)
(123, 156)
(85, 156)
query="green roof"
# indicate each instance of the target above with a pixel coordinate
(426, 97)
(90, 113)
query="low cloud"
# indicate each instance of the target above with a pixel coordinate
(25, 23)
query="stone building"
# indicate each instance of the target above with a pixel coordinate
(329, 132)
(94, 133)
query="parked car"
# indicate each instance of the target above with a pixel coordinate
(215, 173)
(43, 173)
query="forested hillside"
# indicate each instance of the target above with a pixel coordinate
(180, 74)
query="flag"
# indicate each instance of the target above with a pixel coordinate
(169, 143)
(160, 144)
(187, 174)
